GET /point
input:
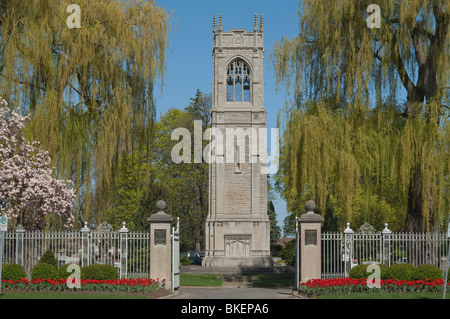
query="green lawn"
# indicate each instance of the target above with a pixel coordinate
(56, 295)
(273, 280)
(259, 280)
(384, 296)
(201, 280)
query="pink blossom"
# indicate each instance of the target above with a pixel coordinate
(27, 189)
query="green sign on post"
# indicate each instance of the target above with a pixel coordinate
(3, 223)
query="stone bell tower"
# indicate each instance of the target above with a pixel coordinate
(237, 226)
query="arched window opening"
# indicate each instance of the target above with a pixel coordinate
(238, 82)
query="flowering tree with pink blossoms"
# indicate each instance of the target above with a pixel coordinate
(28, 192)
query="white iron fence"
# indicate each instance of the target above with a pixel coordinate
(343, 251)
(128, 251)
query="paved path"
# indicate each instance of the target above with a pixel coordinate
(233, 293)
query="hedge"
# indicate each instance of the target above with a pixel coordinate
(406, 272)
(44, 271)
(12, 272)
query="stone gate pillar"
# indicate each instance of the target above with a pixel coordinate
(310, 243)
(160, 245)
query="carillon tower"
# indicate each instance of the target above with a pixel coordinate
(238, 227)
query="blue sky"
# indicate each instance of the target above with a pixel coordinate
(189, 58)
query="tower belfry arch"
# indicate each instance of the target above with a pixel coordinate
(237, 226)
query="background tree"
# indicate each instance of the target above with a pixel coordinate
(348, 136)
(28, 192)
(186, 183)
(152, 192)
(126, 192)
(88, 90)
(275, 231)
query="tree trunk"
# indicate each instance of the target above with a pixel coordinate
(414, 214)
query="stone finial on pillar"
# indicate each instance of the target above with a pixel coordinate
(255, 24)
(161, 206)
(310, 206)
(214, 24)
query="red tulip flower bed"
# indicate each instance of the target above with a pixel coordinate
(349, 285)
(139, 285)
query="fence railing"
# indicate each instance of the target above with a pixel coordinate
(128, 251)
(343, 251)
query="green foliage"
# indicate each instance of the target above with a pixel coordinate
(401, 272)
(186, 183)
(367, 156)
(48, 258)
(383, 271)
(126, 191)
(184, 261)
(13, 272)
(91, 272)
(287, 254)
(275, 249)
(152, 192)
(109, 272)
(424, 271)
(89, 91)
(275, 231)
(99, 272)
(360, 271)
(44, 271)
(62, 272)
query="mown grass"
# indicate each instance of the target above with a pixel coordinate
(273, 280)
(425, 295)
(60, 295)
(201, 280)
(258, 280)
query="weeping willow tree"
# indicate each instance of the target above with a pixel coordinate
(88, 90)
(350, 139)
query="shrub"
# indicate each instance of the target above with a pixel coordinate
(287, 254)
(99, 272)
(184, 261)
(425, 271)
(109, 272)
(63, 273)
(360, 271)
(91, 272)
(48, 258)
(13, 272)
(401, 272)
(384, 271)
(44, 271)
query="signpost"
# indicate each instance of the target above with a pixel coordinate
(3, 228)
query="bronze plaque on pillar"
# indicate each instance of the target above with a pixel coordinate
(160, 237)
(311, 237)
